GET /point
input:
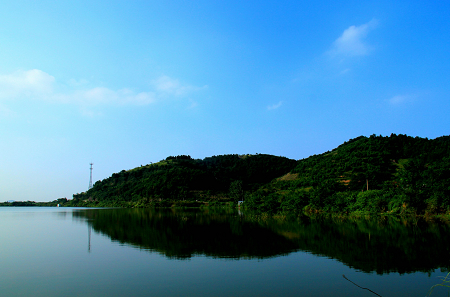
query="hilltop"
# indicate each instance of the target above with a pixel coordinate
(394, 174)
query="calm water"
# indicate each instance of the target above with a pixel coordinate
(135, 252)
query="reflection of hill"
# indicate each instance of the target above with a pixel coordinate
(380, 246)
(181, 235)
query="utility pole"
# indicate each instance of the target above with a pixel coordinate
(90, 180)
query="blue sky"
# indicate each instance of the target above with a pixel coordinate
(125, 83)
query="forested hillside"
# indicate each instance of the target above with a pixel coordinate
(370, 174)
(186, 181)
(394, 174)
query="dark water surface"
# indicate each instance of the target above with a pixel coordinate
(141, 252)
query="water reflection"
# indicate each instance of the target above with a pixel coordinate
(184, 234)
(381, 245)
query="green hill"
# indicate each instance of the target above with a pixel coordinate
(370, 174)
(187, 181)
(394, 174)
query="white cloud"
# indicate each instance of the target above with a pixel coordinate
(351, 42)
(31, 83)
(401, 99)
(103, 96)
(169, 86)
(76, 83)
(275, 106)
(38, 85)
(397, 99)
(193, 105)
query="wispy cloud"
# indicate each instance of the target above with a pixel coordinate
(352, 41)
(76, 83)
(5, 111)
(38, 85)
(401, 99)
(90, 113)
(170, 86)
(105, 96)
(275, 106)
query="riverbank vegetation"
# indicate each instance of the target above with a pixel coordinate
(60, 201)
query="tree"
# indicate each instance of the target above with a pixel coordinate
(237, 190)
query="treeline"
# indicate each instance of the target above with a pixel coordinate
(61, 201)
(186, 181)
(395, 174)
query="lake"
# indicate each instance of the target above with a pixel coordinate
(143, 252)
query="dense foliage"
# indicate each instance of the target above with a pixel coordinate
(185, 181)
(395, 174)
